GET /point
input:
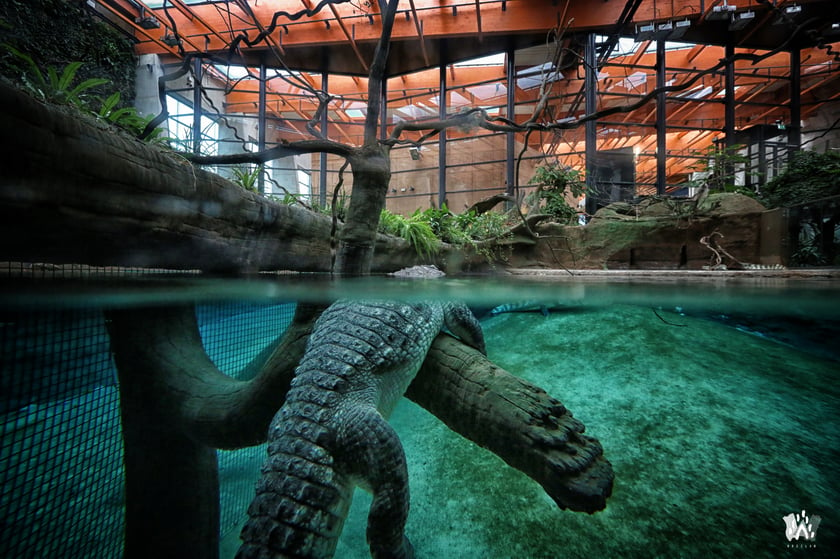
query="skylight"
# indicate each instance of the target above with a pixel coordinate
(233, 72)
(697, 93)
(491, 60)
(487, 91)
(159, 3)
(529, 78)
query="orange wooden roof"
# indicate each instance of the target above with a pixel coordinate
(339, 40)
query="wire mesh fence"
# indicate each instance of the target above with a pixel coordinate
(61, 453)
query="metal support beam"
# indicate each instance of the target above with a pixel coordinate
(196, 124)
(418, 26)
(661, 114)
(322, 162)
(590, 87)
(729, 97)
(442, 135)
(383, 112)
(261, 120)
(510, 162)
(795, 131)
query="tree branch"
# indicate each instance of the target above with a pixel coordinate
(185, 389)
(515, 420)
(320, 145)
(377, 73)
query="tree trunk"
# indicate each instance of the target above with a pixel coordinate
(371, 168)
(74, 191)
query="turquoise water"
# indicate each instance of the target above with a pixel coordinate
(716, 401)
(715, 432)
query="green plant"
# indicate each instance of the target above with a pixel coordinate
(554, 182)
(809, 176)
(444, 225)
(483, 226)
(55, 32)
(717, 169)
(327, 209)
(248, 177)
(415, 229)
(54, 87)
(127, 118)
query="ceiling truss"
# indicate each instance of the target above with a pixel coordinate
(339, 41)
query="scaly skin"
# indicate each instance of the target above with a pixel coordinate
(332, 433)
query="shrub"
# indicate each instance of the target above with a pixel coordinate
(809, 176)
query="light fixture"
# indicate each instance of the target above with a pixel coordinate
(664, 30)
(741, 20)
(680, 28)
(171, 40)
(414, 152)
(645, 32)
(788, 14)
(832, 30)
(721, 13)
(792, 10)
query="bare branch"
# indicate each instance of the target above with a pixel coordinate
(377, 73)
(269, 29)
(283, 150)
(334, 213)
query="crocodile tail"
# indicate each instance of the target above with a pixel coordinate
(301, 500)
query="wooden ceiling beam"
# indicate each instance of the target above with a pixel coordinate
(418, 27)
(478, 20)
(350, 38)
(430, 20)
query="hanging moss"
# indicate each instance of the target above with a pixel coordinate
(57, 32)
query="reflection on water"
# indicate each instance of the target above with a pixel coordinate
(692, 291)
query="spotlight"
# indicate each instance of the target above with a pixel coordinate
(414, 152)
(741, 20)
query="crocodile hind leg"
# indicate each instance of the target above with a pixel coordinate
(369, 450)
(301, 500)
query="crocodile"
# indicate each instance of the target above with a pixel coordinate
(332, 434)
(524, 306)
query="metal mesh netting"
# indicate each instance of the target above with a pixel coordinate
(61, 476)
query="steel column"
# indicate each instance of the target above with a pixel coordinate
(383, 111)
(729, 97)
(196, 124)
(322, 161)
(442, 142)
(661, 113)
(261, 121)
(795, 131)
(590, 85)
(510, 163)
